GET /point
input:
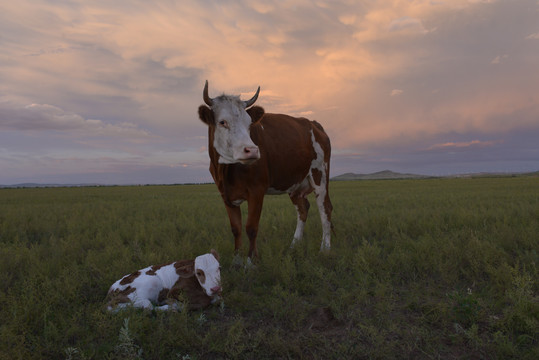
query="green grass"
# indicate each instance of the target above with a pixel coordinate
(422, 269)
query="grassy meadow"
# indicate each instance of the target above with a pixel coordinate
(423, 269)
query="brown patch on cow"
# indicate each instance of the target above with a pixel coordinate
(185, 268)
(206, 115)
(201, 276)
(163, 295)
(130, 278)
(118, 296)
(317, 176)
(154, 268)
(151, 272)
(195, 294)
(256, 113)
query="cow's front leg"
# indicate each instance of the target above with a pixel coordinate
(253, 218)
(234, 215)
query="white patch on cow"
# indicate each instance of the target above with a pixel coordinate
(212, 273)
(319, 164)
(320, 190)
(147, 287)
(237, 202)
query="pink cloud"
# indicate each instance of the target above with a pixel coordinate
(465, 144)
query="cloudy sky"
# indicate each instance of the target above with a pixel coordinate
(108, 91)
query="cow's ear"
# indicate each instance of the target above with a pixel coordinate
(206, 115)
(187, 270)
(256, 113)
(215, 254)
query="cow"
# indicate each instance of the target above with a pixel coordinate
(158, 286)
(253, 153)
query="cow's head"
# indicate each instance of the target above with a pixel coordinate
(229, 119)
(208, 273)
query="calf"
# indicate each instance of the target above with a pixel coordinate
(158, 286)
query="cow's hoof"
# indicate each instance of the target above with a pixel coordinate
(249, 265)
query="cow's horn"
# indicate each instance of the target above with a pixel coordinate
(253, 99)
(207, 99)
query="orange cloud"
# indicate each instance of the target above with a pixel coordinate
(465, 144)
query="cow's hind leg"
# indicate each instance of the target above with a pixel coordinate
(302, 207)
(320, 185)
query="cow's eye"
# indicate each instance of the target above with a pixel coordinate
(223, 123)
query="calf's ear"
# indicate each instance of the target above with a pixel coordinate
(186, 270)
(206, 115)
(256, 113)
(215, 254)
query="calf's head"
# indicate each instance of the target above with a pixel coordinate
(208, 273)
(229, 119)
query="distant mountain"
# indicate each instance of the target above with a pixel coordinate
(389, 175)
(380, 175)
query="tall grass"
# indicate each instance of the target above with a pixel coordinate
(418, 269)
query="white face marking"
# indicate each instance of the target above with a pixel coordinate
(208, 273)
(232, 134)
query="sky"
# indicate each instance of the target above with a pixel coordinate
(107, 91)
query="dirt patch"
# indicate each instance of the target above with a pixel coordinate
(321, 319)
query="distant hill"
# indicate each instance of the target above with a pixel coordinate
(37, 185)
(391, 175)
(380, 175)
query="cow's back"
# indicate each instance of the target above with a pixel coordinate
(286, 147)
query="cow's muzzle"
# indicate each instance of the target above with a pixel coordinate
(250, 155)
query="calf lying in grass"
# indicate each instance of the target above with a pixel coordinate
(158, 286)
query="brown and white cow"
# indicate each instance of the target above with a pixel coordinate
(253, 153)
(158, 286)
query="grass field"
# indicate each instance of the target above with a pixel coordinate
(423, 269)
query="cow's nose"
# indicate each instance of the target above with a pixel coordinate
(216, 289)
(251, 152)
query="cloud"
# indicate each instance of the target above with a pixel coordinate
(348, 19)
(44, 117)
(499, 59)
(112, 74)
(465, 144)
(407, 23)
